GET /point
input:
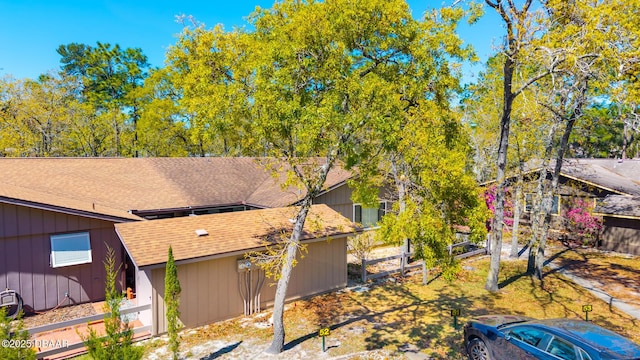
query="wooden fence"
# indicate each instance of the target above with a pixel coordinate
(84, 320)
(404, 258)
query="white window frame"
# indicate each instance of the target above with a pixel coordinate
(381, 202)
(79, 243)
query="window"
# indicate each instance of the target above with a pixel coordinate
(555, 206)
(70, 249)
(584, 355)
(532, 337)
(369, 217)
(562, 349)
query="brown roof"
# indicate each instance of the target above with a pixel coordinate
(619, 205)
(618, 176)
(112, 186)
(147, 242)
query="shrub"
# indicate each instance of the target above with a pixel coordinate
(361, 245)
(14, 331)
(490, 200)
(172, 300)
(581, 222)
(117, 343)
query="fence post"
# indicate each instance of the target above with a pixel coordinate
(424, 273)
(403, 260)
(364, 270)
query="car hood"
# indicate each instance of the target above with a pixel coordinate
(498, 320)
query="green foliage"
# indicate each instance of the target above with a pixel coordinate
(107, 76)
(163, 127)
(599, 135)
(35, 116)
(441, 194)
(117, 342)
(14, 330)
(172, 292)
(361, 245)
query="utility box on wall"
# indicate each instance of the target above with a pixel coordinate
(245, 265)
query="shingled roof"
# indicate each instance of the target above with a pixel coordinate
(119, 187)
(619, 206)
(147, 242)
(618, 176)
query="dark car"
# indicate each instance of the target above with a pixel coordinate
(506, 337)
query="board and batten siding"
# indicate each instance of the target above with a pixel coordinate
(210, 288)
(25, 249)
(621, 235)
(338, 199)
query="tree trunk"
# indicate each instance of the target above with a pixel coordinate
(516, 217)
(498, 216)
(401, 186)
(277, 344)
(537, 211)
(313, 188)
(564, 144)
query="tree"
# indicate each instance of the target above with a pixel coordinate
(208, 68)
(108, 75)
(172, 301)
(424, 147)
(520, 31)
(14, 331)
(34, 117)
(162, 128)
(306, 85)
(117, 342)
(481, 107)
(584, 56)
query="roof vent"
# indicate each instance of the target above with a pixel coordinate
(201, 232)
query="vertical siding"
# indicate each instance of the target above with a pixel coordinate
(339, 199)
(621, 235)
(25, 249)
(210, 288)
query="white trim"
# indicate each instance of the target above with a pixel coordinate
(375, 226)
(70, 249)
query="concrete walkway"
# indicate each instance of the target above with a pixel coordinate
(594, 287)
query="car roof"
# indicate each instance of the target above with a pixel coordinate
(605, 341)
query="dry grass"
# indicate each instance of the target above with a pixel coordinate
(392, 314)
(618, 275)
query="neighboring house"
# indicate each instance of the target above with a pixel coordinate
(610, 183)
(621, 216)
(57, 214)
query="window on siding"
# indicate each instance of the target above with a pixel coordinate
(70, 249)
(369, 217)
(555, 206)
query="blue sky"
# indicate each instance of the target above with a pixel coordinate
(32, 30)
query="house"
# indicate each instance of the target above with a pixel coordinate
(612, 185)
(218, 282)
(57, 214)
(621, 215)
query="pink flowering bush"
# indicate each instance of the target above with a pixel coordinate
(490, 200)
(581, 222)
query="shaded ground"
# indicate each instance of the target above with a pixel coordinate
(616, 274)
(399, 318)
